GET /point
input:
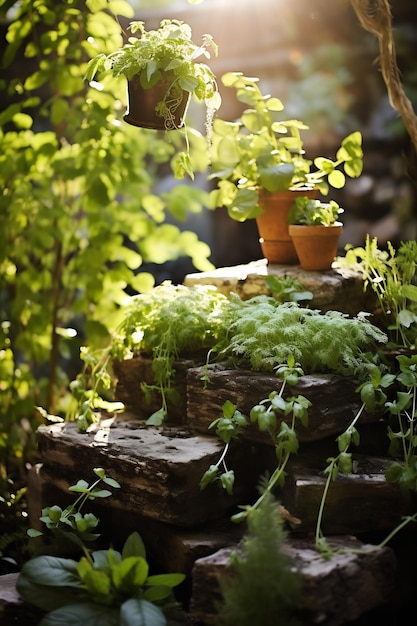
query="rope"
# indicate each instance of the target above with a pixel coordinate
(376, 17)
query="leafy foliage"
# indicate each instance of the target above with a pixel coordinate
(265, 333)
(170, 48)
(287, 289)
(260, 585)
(169, 321)
(106, 587)
(312, 212)
(263, 151)
(391, 274)
(172, 321)
(403, 440)
(276, 415)
(78, 216)
(69, 530)
(165, 57)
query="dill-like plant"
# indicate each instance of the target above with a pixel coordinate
(260, 585)
(168, 322)
(265, 333)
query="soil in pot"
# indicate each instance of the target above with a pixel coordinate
(316, 246)
(276, 243)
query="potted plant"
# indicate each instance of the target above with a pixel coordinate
(315, 231)
(162, 73)
(260, 159)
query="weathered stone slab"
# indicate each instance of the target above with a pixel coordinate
(356, 503)
(131, 373)
(159, 469)
(334, 591)
(336, 289)
(12, 608)
(334, 400)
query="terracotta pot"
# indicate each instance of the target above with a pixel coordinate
(141, 105)
(276, 243)
(316, 246)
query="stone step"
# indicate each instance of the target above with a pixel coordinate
(356, 503)
(159, 469)
(335, 591)
(337, 289)
(333, 397)
(12, 608)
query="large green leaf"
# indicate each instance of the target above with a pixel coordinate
(134, 546)
(87, 614)
(141, 613)
(130, 574)
(43, 596)
(277, 177)
(51, 570)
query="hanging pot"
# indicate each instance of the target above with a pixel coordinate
(142, 103)
(276, 243)
(316, 246)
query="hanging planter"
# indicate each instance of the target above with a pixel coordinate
(160, 107)
(162, 74)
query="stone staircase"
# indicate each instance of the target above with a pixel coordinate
(189, 530)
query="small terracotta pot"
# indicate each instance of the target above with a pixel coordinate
(276, 243)
(142, 102)
(316, 246)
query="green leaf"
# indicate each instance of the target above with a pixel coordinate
(100, 493)
(406, 318)
(141, 613)
(130, 574)
(245, 205)
(50, 570)
(87, 614)
(410, 292)
(227, 480)
(98, 583)
(82, 486)
(267, 421)
(228, 409)
(277, 177)
(166, 580)
(209, 476)
(343, 441)
(44, 596)
(336, 179)
(54, 513)
(157, 418)
(134, 546)
(345, 462)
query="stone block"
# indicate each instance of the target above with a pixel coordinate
(354, 580)
(159, 469)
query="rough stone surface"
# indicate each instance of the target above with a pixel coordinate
(130, 373)
(334, 400)
(12, 608)
(336, 289)
(360, 502)
(159, 468)
(334, 591)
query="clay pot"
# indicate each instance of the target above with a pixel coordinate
(316, 246)
(141, 104)
(276, 243)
